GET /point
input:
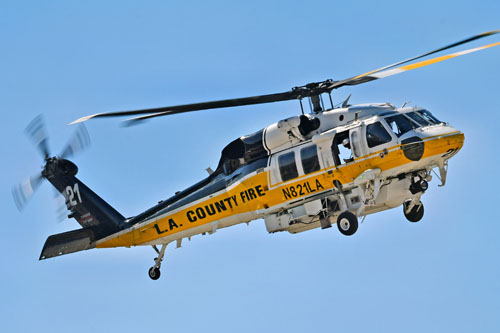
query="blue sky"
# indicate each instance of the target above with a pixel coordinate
(68, 59)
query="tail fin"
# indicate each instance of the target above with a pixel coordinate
(87, 208)
(96, 216)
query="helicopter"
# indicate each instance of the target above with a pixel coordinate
(333, 165)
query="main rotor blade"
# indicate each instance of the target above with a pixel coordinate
(312, 89)
(283, 96)
(79, 142)
(377, 74)
(467, 40)
(24, 191)
(381, 74)
(138, 120)
(37, 132)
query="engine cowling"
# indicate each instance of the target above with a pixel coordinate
(287, 132)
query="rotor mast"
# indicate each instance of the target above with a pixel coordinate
(314, 90)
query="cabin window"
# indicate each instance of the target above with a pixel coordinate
(429, 117)
(377, 135)
(399, 124)
(309, 157)
(288, 168)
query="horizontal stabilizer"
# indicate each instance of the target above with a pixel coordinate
(67, 242)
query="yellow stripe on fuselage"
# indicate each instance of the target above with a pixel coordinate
(254, 194)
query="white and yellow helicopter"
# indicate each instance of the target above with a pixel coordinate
(333, 165)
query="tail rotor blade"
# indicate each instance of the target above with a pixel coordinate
(37, 132)
(79, 142)
(24, 191)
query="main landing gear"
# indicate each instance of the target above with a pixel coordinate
(413, 211)
(347, 223)
(154, 272)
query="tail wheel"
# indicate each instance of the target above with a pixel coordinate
(154, 273)
(415, 214)
(347, 223)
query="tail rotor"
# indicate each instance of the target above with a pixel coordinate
(78, 143)
(23, 191)
(38, 135)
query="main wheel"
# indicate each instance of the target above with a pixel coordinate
(347, 223)
(154, 273)
(415, 214)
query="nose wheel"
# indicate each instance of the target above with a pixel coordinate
(413, 211)
(154, 272)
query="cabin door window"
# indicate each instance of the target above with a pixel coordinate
(342, 149)
(355, 141)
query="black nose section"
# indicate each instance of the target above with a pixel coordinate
(413, 148)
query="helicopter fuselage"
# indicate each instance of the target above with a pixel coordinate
(300, 174)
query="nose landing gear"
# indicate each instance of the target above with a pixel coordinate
(413, 211)
(154, 272)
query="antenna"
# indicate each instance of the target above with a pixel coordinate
(345, 104)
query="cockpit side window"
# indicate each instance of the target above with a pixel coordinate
(287, 166)
(399, 124)
(309, 157)
(429, 117)
(417, 118)
(377, 135)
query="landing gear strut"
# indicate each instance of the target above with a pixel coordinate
(154, 272)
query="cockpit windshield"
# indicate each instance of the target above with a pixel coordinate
(429, 117)
(423, 118)
(400, 124)
(417, 118)
(403, 123)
